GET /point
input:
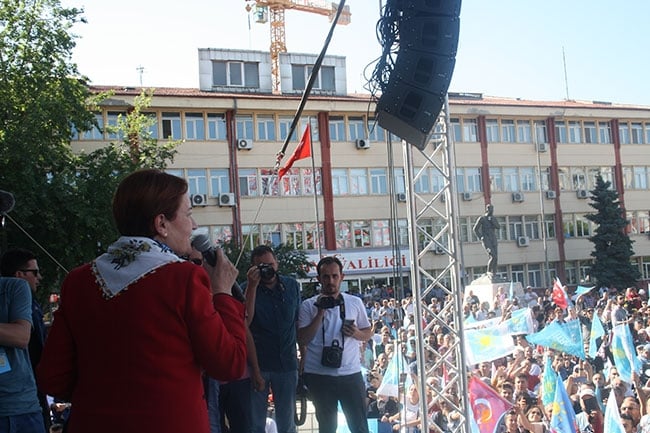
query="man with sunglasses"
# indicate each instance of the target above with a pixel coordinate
(22, 263)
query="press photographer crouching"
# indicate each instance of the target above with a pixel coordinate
(331, 327)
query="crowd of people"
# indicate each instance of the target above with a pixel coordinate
(149, 336)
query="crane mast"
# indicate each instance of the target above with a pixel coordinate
(275, 11)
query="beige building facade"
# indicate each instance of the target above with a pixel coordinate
(535, 161)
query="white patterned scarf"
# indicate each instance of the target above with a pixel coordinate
(127, 260)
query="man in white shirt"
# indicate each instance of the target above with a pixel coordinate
(331, 326)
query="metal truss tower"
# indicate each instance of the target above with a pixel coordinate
(442, 239)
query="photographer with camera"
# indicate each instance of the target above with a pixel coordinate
(272, 304)
(331, 326)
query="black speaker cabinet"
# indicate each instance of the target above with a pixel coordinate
(413, 98)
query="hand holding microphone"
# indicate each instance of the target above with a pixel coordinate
(223, 277)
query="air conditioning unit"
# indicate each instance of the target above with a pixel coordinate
(467, 196)
(199, 199)
(542, 147)
(227, 199)
(244, 144)
(401, 197)
(362, 143)
(517, 197)
(439, 250)
(551, 195)
(582, 193)
(523, 241)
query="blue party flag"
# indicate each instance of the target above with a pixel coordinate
(565, 337)
(563, 419)
(549, 380)
(482, 345)
(612, 422)
(597, 331)
(624, 353)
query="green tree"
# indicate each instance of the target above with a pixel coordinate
(612, 246)
(63, 199)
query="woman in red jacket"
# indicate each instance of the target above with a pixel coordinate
(137, 326)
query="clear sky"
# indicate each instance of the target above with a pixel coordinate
(511, 48)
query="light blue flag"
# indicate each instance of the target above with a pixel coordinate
(470, 319)
(520, 322)
(484, 345)
(563, 419)
(624, 353)
(549, 380)
(581, 290)
(597, 331)
(390, 382)
(612, 422)
(565, 337)
(512, 290)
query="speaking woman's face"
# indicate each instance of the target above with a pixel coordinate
(176, 233)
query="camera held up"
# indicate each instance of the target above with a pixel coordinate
(266, 271)
(327, 302)
(332, 355)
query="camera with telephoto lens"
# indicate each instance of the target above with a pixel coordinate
(332, 355)
(266, 271)
(327, 302)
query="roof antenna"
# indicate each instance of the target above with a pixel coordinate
(566, 79)
(140, 70)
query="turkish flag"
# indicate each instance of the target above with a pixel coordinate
(488, 407)
(302, 151)
(558, 296)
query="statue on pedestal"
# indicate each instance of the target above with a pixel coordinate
(486, 229)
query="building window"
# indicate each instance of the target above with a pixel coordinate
(265, 128)
(515, 227)
(340, 181)
(217, 127)
(492, 130)
(269, 182)
(311, 179)
(400, 180)
(647, 133)
(563, 178)
(496, 179)
(524, 134)
(251, 235)
(508, 131)
(290, 183)
(578, 178)
(343, 235)
(378, 181)
(171, 126)
(535, 275)
(531, 227)
(560, 132)
(575, 132)
(221, 234)
(112, 118)
(271, 234)
(624, 132)
(511, 179)
(325, 80)
(244, 127)
(456, 131)
(583, 227)
(197, 181)
(194, 126)
(356, 128)
(517, 274)
(422, 181)
(314, 235)
(235, 74)
(380, 233)
(470, 130)
(95, 133)
(438, 181)
(540, 131)
(361, 234)
(293, 235)
(468, 179)
(358, 181)
(590, 132)
(402, 232)
(376, 132)
(637, 133)
(641, 177)
(219, 181)
(337, 129)
(248, 186)
(549, 226)
(604, 132)
(528, 178)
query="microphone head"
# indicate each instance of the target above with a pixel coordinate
(7, 201)
(201, 243)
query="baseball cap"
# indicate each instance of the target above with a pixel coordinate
(586, 392)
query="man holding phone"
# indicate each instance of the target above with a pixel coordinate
(331, 327)
(590, 419)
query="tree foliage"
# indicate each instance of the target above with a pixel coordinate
(63, 199)
(612, 246)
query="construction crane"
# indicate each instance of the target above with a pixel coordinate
(275, 9)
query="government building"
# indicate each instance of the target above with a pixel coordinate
(535, 161)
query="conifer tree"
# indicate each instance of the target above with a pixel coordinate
(612, 246)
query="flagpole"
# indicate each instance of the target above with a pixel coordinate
(313, 181)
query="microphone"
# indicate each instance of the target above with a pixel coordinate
(201, 243)
(7, 201)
